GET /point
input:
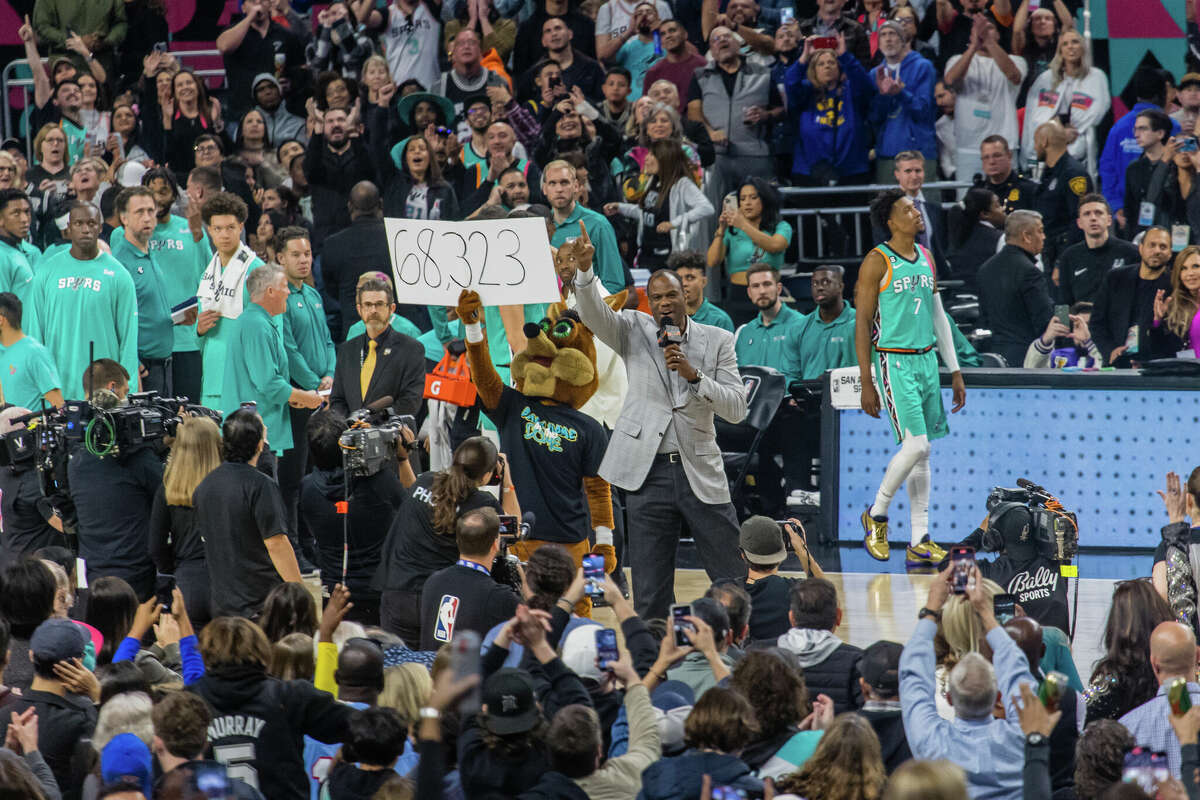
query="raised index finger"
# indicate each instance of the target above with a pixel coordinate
(583, 234)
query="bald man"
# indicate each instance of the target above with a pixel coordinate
(1064, 180)
(1173, 654)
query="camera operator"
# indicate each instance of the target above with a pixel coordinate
(374, 500)
(239, 514)
(29, 521)
(421, 540)
(464, 596)
(113, 493)
(1021, 568)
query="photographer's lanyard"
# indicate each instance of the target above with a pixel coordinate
(462, 562)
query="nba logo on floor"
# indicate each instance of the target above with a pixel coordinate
(443, 631)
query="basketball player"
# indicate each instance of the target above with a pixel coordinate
(899, 320)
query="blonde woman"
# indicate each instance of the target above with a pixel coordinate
(406, 689)
(175, 545)
(1073, 91)
(927, 780)
(847, 764)
(1176, 324)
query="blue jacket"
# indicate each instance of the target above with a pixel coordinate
(904, 121)
(818, 137)
(678, 777)
(1121, 150)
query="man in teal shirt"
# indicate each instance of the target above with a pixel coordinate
(257, 368)
(827, 335)
(772, 338)
(82, 301)
(17, 256)
(182, 252)
(131, 246)
(561, 189)
(311, 358)
(692, 270)
(27, 371)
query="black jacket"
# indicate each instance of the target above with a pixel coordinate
(461, 598)
(330, 177)
(836, 675)
(555, 786)
(1116, 309)
(1169, 205)
(267, 720)
(1058, 196)
(1081, 269)
(966, 257)
(399, 373)
(1014, 302)
(893, 743)
(395, 182)
(65, 726)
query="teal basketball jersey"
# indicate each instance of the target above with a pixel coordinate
(904, 316)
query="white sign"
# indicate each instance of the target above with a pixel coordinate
(845, 388)
(506, 260)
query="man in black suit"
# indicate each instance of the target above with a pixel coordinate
(910, 174)
(361, 247)
(1014, 301)
(1126, 301)
(381, 362)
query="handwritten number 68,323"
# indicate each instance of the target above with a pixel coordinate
(421, 266)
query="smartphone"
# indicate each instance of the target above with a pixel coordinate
(593, 575)
(606, 646)
(509, 525)
(211, 779)
(1189, 144)
(1004, 606)
(679, 623)
(787, 16)
(728, 793)
(824, 43)
(248, 405)
(464, 660)
(962, 560)
(1138, 771)
(164, 588)
(160, 47)
(1063, 312)
(731, 202)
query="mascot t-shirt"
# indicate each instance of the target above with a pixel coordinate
(551, 447)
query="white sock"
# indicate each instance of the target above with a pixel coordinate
(918, 498)
(912, 448)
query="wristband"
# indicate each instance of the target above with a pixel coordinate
(428, 712)
(474, 332)
(564, 604)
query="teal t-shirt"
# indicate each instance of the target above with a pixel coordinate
(182, 261)
(306, 338)
(155, 337)
(398, 323)
(637, 57)
(257, 371)
(16, 267)
(740, 252)
(607, 261)
(77, 305)
(27, 372)
(776, 345)
(76, 138)
(55, 249)
(826, 346)
(711, 314)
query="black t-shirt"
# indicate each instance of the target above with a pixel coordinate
(237, 508)
(372, 508)
(414, 550)
(1039, 588)
(113, 498)
(173, 534)
(279, 53)
(770, 601)
(551, 449)
(655, 246)
(460, 598)
(1160, 552)
(1081, 270)
(24, 513)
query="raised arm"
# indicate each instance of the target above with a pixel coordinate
(611, 327)
(41, 80)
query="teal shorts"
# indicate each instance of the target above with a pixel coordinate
(911, 393)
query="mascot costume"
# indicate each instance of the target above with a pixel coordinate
(553, 449)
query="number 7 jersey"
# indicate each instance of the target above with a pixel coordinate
(904, 317)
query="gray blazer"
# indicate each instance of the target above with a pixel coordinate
(657, 396)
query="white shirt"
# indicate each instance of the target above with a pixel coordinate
(605, 405)
(412, 49)
(946, 145)
(987, 103)
(615, 15)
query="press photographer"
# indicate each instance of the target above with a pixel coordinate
(112, 489)
(367, 457)
(29, 519)
(1024, 526)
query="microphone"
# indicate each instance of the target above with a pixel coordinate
(528, 521)
(669, 333)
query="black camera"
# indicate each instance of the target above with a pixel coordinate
(145, 418)
(1052, 529)
(372, 440)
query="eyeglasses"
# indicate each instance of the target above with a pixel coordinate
(373, 306)
(207, 148)
(9, 169)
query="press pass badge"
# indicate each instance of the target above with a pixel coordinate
(1180, 236)
(1146, 213)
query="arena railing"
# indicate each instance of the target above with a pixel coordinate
(10, 81)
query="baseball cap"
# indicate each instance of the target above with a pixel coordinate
(579, 652)
(508, 694)
(880, 667)
(762, 541)
(56, 640)
(12, 143)
(1189, 78)
(892, 25)
(126, 757)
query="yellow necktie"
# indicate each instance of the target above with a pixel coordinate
(368, 369)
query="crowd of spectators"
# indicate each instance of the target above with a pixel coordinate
(223, 240)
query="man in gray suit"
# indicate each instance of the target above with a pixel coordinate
(663, 450)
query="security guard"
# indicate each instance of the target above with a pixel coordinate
(1064, 181)
(1014, 191)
